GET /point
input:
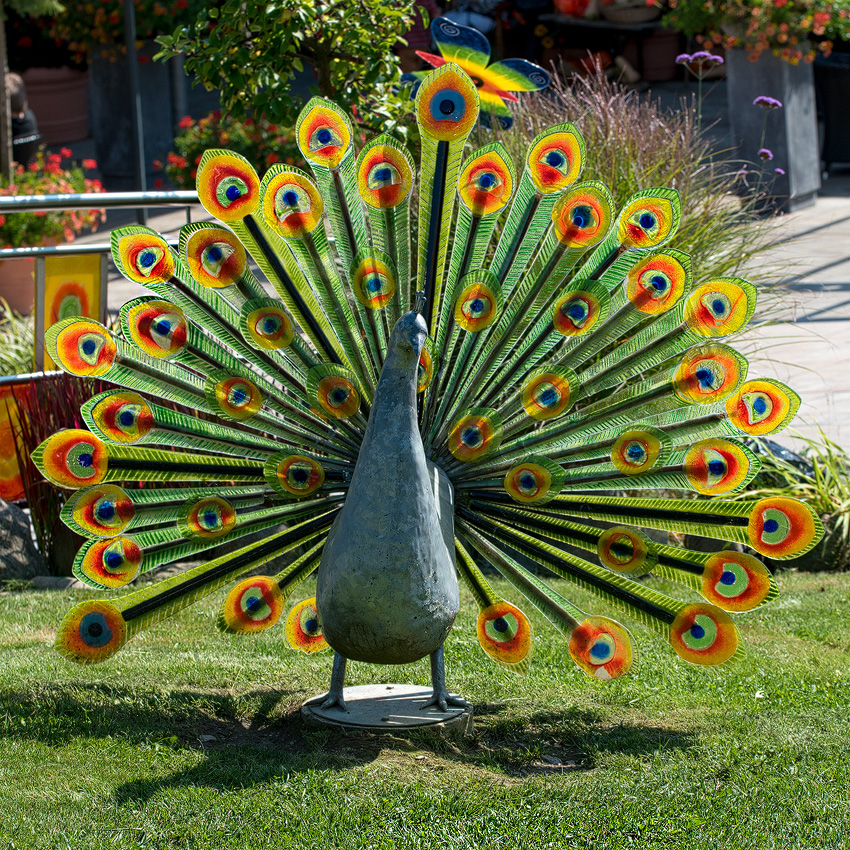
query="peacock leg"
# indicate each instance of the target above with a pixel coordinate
(441, 698)
(337, 684)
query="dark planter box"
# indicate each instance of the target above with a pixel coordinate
(110, 112)
(791, 131)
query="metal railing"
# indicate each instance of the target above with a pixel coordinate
(87, 201)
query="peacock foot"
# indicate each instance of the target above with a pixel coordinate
(335, 696)
(441, 698)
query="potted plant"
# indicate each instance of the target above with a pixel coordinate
(46, 176)
(259, 141)
(771, 44)
(94, 32)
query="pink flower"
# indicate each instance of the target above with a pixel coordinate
(765, 154)
(779, 171)
(766, 102)
(89, 163)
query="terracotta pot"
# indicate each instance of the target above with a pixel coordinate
(17, 283)
(59, 97)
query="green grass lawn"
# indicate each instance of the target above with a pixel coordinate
(756, 756)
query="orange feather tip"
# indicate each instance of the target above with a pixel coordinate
(291, 203)
(649, 219)
(486, 182)
(477, 305)
(384, 174)
(142, 255)
(265, 324)
(703, 634)
(323, 133)
(716, 467)
(762, 407)
(227, 185)
(232, 396)
(708, 374)
(207, 519)
(548, 393)
(656, 284)
(101, 511)
(447, 104)
(505, 634)
(82, 347)
(72, 459)
(535, 480)
(625, 550)
(475, 435)
(373, 281)
(581, 217)
(294, 475)
(602, 648)
(157, 327)
(91, 632)
(735, 581)
(304, 628)
(109, 563)
(720, 307)
(215, 257)
(578, 311)
(121, 416)
(254, 605)
(555, 159)
(640, 449)
(783, 528)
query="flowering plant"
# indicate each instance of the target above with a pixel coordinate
(794, 30)
(46, 176)
(83, 24)
(259, 141)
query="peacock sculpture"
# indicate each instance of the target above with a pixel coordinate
(405, 411)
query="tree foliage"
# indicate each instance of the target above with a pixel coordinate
(252, 50)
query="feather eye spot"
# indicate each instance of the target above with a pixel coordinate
(703, 634)
(110, 563)
(735, 581)
(304, 627)
(504, 633)
(781, 527)
(253, 606)
(602, 648)
(91, 632)
(294, 475)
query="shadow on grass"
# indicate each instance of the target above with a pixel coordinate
(259, 736)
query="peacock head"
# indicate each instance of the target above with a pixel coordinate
(408, 337)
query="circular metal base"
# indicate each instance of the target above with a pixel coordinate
(388, 708)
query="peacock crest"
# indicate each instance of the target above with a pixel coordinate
(573, 367)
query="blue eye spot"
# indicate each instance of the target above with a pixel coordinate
(471, 437)
(771, 525)
(697, 631)
(477, 305)
(549, 397)
(659, 283)
(581, 216)
(647, 220)
(270, 325)
(300, 476)
(555, 159)
(500, 624)
(728, 577)
(448, 105)
(210, 519)
(253, 604)
(146, 259)
(88, 347)
(163, 326)
(716, 467)
(635, 452)
(214, 253)
(290, 198)
(233, 193)
(311, 625)
(126, 418)
(485, 181)
(85, 459)
(113, 560)
(528, 481)
(760, 405)
(383, 175)
(576, 310)
(105, 511)
(718, 306)
(239, 396)
(339, 395)
(374, 285)
(705, 377)
(599, 650)
(324, 136)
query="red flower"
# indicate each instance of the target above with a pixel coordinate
(182, 4)
(25, 41)
(158, 183)
(2, 220)
(89, 163)
(65, 153)
(144, 59)
(271, 158)
(185, 122)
